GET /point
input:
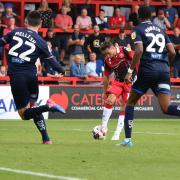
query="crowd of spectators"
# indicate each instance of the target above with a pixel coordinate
(79, 52)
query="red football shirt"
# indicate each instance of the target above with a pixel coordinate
(118, 64)
(114, 20)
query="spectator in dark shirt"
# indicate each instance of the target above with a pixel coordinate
(77, 68)
(133, 17)
(123, 39)
(46, 14)
(171, 13)
(50, 36)
(94, 42)
(175, 39)
(153, 10)
(101, 20)
(76, 44)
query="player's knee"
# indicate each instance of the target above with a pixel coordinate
(164, 109)
(21, 114)
(110, 100)
(132, 100)
(123, 107)
(130, 103)
(23, 118)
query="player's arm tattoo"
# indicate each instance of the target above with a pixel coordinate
(137, 55)
(171, 52)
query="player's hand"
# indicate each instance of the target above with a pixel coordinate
(127, 78)
(65, 29)
(105, 96)
(59, 75)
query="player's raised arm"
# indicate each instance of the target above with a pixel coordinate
(136, 59)
(54, 64)
(49, 58)
(138, 43)
(137, 55)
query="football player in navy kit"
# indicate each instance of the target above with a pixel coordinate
(153, 51)
(26, 46)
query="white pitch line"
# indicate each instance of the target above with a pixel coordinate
(37, 174)
(147, 132)
(157, 133)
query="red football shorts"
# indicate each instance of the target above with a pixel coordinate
(120, 89)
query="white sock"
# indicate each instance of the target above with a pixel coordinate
(120, 124)
(105, 117)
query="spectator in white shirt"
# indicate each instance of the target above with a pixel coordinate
(102, 20)
(162, 21)
(94, 68)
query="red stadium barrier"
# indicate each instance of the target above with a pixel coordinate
(70, 81)
(73, 81)
(114, 31)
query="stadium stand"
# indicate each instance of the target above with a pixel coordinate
(21, 6)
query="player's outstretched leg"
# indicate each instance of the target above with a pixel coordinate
(128, 123)
(129, 117)
(120, 125)
(41, 125)
(107, 111)
(53, 107)
(50, 106)
(110, 100)
(166, 106)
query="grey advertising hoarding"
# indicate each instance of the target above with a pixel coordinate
(87, 103)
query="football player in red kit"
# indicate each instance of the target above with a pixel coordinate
(117, 61)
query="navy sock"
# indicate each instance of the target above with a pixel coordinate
(32, 112)
(41, 125)
(174, 110)
(128, 121)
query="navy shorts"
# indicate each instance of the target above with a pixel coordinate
(157, 81)
(24, 88)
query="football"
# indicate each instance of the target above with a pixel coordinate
(99, 132)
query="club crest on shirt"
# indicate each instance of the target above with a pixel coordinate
(109, 60)
(121, 55)
(133, 35)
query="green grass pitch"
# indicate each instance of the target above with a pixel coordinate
(155, 155)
